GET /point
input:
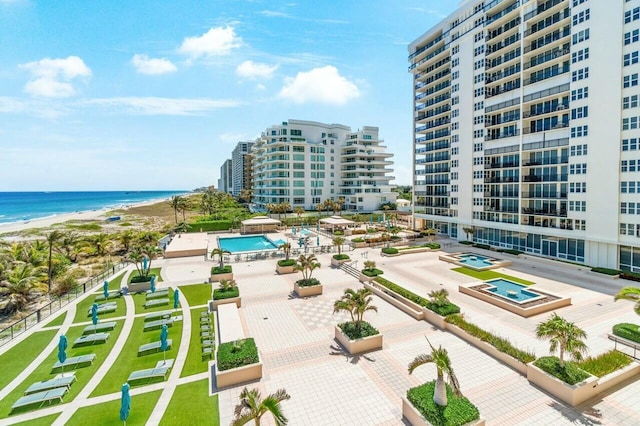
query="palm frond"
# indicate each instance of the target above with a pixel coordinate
(418, 361)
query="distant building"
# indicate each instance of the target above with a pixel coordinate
(240, 164)
(225, 182)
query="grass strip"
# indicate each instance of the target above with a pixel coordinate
(152, 271)
(194, 394)
(39, 421)
(491, 275)
(21, 355)
(459, 410)
(605, 363)
(108, 413)
(85, 305)
(58, 321)
(196, 294)
(139, 299)
(128, 361)
(571, 373)
(195, 363)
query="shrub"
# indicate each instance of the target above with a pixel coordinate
(482, 246)
(632, 276)
(570, 374)
(358, 240)
(338, 232)
(65, 285)
(606, 271)
(226, 269)
(605, 363)
(434, 246)
(443, 310)
(140, 278)
(390, 250)
(371, 230)
(308, 282)
(358, 232)
(627, 331)
(467, 243)
(500, 343)
(210, 225)
(372, 272)
(237, 354)
(284, 262)
(395, 238)
(220, 294)
(349, 329)
(446, 309)
(510, 251)
(341, 256)
(459, 410)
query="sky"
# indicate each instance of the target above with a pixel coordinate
(154, 94)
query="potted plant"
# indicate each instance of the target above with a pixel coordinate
(253, 407)
(237, 362)
(141, 257)
(359, 242)
(369, 272)
(286, 265)
(340, 258)
(222, 271)
(307, 286)
(227, 292)
(357, 336)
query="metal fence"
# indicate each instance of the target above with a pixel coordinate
(17, 328)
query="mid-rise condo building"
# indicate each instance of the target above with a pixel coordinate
(225, 183)
(241, 164)
(526, 123)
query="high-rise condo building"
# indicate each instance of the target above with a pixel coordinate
(304, 163)
(241, 164)
(225, 181)
(526, 132)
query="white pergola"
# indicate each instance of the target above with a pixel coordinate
(336, 221)
(260, 223)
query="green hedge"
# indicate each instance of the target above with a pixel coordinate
(338, 233)
(349, 329)
(570, 374)
(308, 283)
(140, 278)
(357, 240)
(208, 226)
(341, 256)
(632, 276)
(220, 294)
(606, 271)
(482, 246)
(372, 272)
(390, 250)
(459, 410)
(285, 262)
(467, 243)
(246, 354)
(500, 343)
(442, 310)
(510, 251)
(605, 363)
(627, 331)
(226, 269)
(433, 246)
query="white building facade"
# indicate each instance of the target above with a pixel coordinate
(527, 128)
(304, 163)
(225, 182)
(239, 159)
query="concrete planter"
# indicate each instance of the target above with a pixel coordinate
(285, 269)
(358, 346)
(415, 250)
(360, 244)
(247, 373)
(236, 300)
(578, 393)
(365, 278)
(598, 274)
(433, 318)
(220, 277)
(138, 287)
(414, 417)
(336, 263)
(405, 305)
(390, 255)
(307, 291)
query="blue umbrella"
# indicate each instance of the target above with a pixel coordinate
(300, 242)
(125, 403)
(318, 240)
(371, 219)
(94, 314)
(105, 289)
(317, 226)
(293, 230)
(144, 265)
(163, 341)
(176, 299)
(62, 350)
(153, 284)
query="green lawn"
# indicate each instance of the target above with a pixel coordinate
(139, 299)
(194, 363)
(108, 413)
(43, 371)
(152, 271)
(197, 294)
(83, 308)
(490, 275)
(58, 321)
(40, 421)
(20, 356)
(203, 409)
(128, 361)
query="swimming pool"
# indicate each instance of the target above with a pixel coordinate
(242, 244)
(475, 260)
(511, 290)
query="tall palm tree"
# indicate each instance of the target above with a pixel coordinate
(220, 252)
(126, 238)
(630, 293)
(564, 336)
(52, 238)
(136, 256)
(306, 264)
(356, 303)
(175, 202)
(253, 407)
(338, 242)
(319, 208)
(101, 243)
(19, 284)
(299, 211)
(183, 206)
(440, 357)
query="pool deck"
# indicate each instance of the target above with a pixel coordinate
(186, 245)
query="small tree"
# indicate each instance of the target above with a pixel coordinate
(227, 285)
(468, 231)
(564, 336)
(369, 265)
(306, 264)
(439, 297)
(431, 234)
(253, 407)
(175, 203)
(220, 252)
(338, 241)
(440, 357)
(299, 211)
(356, 303)
(630, 293)
(286, 248)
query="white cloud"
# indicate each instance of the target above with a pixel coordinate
(322, 85)
(215, 42)
(52, 78)
(163, 106)
(250, 69)
(152, 66)
(260, 87)
(274, 14)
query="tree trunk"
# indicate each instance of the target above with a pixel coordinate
(561, 357)
(440, 393)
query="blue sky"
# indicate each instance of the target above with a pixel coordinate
(100, 95)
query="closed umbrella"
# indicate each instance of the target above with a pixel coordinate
(293, 230)
(94, 314)
(300, 242)
(125, 403)
(105, 289)
(176, 299)
(317, 226)
(62, 351)
(318, 240)
(153, 284)
(164, 334)
(144, 266)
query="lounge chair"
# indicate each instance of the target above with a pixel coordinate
(156, 302)
(206, 335)
(91, 339)
(75, 362)
(207, 352)
(41, 397)
(157, 294)
(148, 375)
(206, 328)
(60, 382)
(157, 315)
(207, 343)
(155, 325)
(204, 314)
(112, 294)
(105, 308)
(152, 347)
(205, 321)
(104, 326)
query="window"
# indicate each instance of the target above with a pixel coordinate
(629, 165)
(478, 106)
(581, 17)
(630, 80)
(455, 138)
(580, 55)
(296, 132)
(455, 63)
(455, 75)
(580, 74)
(630, 144)
(478, 64)
(579, 131)
(581, 36)
(455, 113)
(578, 169)
(630, 102)
(478, 78)
(577, 150)
(478, 120)
(479, 36)
(455, 50)
(632, 15)
(477, 147)
(455, 100)
(455, 88)
(478, 50)
(581, 93)
(631, 37)
(455, 125)
(578, 187)
(578, 2)
(630, 58)
(630, 123)
(454, 163)
(580, 112)
(478, 92)
(478, 133)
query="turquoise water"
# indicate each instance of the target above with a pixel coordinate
(240, 244)
(518, 291)
(475, 260)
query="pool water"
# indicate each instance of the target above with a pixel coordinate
(252, 243)
(510, 290)
(475, 260)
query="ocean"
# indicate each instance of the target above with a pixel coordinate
(21, 206)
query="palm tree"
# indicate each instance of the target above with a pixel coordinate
(369, 265)
(338, 241)
(356, 303)
(183, 206)
(126, 238)
(564, 336)
(181, 227)
(151, 252)
(440, 357)
(306, 265)
(253, 407)
(175, 202)
(227, 285)
(220, 252)
(136, 256)
(286, 248)
(18, 286)
(319, 208)
(52, 238)
(100, 243)
(439, 297)
(430, 234)
(299, 211)
(245, 195)
(630, 293)
(467, 231)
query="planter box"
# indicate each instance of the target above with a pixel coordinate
(390, 255)
(138, 287)
(578, 393)
(358, 346)
(284, 269)
(414, 417)
(434, 319)
(336, 263)
(607, 276)
(247, 373)
(359, 245)
(365, 278)
(307, 291)
(415, 250)
(220, 277)
(236, 300)
(405, 305)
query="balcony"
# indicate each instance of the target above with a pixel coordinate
(557, 126)
(542, 8)
(534, 112)
(544, 212)
(496, 136)
(543, 195)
